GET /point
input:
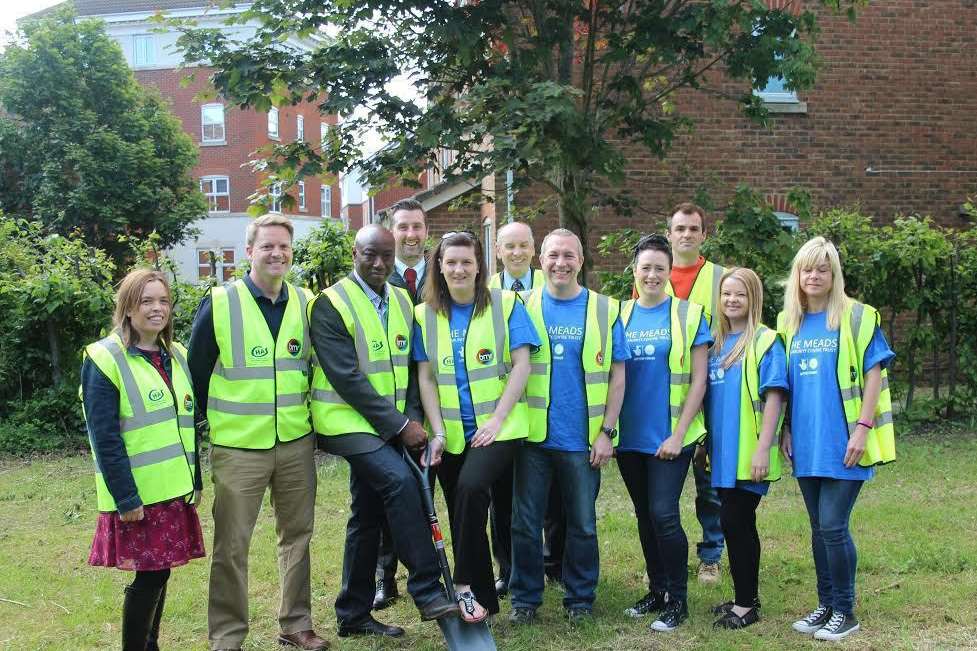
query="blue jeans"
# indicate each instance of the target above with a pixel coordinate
(655, 487)
(535, 468)
(707, 506)
(829, 503)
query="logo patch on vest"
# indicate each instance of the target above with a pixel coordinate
(485, 356)
(294, 346)
(376, 345)
(155, 395)
(599, 357)
(259, 351)
(448, 360)
(401, 342)
(188, 402)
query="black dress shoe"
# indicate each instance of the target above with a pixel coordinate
(370, 626)
(386, 594)
(501, 588)
(438, 608)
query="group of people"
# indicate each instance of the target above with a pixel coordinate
(515, 390)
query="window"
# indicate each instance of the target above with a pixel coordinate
(216, 263)
(775, 92)
(143, 50)
(323, 131)
(273, 122)
(788, 221)
(325, 198)
(299, 128)
(217, 189)
(301, 195)
(276, 197)
(212, 123)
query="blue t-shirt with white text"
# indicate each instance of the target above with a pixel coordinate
(567, 418)
(521, 333)
(645, 415)
(722, 409)
(819, 429)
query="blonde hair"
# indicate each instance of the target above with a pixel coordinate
(754, 315)
(127, 299)
(814, 252)
(269, 219)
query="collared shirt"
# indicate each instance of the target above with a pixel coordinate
(419, 267)
(273, 311)
(379, 302)
(526, 280)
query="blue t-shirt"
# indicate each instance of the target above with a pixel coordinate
(521, 333)
(819, 429)
(645, 416)
(566, 421)
(722, 409)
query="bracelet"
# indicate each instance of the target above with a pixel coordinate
(438, 436)
(867, 425)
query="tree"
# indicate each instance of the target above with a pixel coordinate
(83, 147)
(551, 89)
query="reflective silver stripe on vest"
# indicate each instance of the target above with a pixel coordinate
(150, 457)
(539, 369)
(333, 398)
(851, 393)
(406, 307)
(431, 347)
(536, 402)
(181, 361)
(448, 413)
(595, 410)
(857, 312)
(145, 420)
(303, 306)
(499, 328)
(359, 339)
(717, 276)
(185, 420)
(237, 324)
(292, 399)
(128, 379)
(681, 378)
(757, 406)
(485, 408)
(675, 411)
(683, 319)
(885, 418)
(242, 408)
(291, 364)
(483, 373)
(244, 372)
(603, 308)
(594, 377)
(191, 458)
(885, 382)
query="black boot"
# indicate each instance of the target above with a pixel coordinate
(138, 612)
(152, 644)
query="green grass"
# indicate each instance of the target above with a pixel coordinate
(915, 526)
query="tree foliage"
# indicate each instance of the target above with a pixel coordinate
(324, 256)
(554, 90)
(83, 147)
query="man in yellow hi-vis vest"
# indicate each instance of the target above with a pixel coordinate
(366, 408)
(695, 279)
(575, 391)
(249, 359)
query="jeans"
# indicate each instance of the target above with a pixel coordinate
(655, 487)
(829, 503)
(382, 485)
(710, 550)
(535, 469)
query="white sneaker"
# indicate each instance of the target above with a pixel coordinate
(814, 620)
(838, 627)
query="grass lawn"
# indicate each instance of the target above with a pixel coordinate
(915, 525)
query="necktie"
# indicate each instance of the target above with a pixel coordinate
(517, 285)
(410, 275)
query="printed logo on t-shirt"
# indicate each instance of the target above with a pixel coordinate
(642, 348)
(807, 352)
(716, 372)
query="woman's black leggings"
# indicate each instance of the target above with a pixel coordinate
(737, 514)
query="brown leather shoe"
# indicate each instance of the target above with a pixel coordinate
(307, 640)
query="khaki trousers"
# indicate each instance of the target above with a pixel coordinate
(240, 479)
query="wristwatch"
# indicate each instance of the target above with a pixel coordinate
(610, 431)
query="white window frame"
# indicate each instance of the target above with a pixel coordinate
(273, 120)
(213, 195)
(299, 128)
(222, 140)
(275, 191)
(323, 131)
(138, 41)
(325, 198)
(301, 185)
(219, 263)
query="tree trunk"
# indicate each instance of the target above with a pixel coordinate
(952, 338)
(52, 340)
(574, 212)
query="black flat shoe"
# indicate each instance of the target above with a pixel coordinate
(370, 626)
(733, 621)
(727, 606)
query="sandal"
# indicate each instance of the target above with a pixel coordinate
(468, 605)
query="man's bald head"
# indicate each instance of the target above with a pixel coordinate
(373, 255)
(515, 247)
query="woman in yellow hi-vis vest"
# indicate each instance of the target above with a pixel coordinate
(138, 402)
(745, 396)
(472, 346)
(661, 422)
(840, 420)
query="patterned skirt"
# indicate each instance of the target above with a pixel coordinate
(169, 535)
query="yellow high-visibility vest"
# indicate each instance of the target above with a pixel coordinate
(259, 390)
(705, 288)
(156, 422)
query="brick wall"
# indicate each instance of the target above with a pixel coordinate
(245, 132)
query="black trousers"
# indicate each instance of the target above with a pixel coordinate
(500, 519)
(467, 480)
(737, 514)
(386, 555)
